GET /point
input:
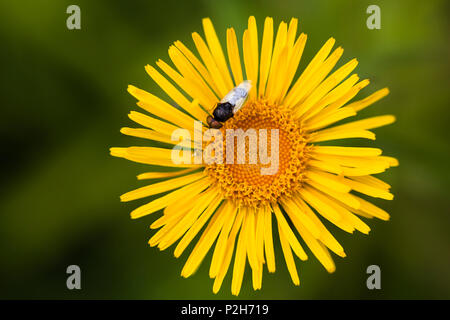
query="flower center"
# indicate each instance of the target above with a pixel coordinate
(255, 183)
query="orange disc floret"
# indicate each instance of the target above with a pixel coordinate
(244, 182)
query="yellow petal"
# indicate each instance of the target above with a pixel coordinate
(306, 108)
(216, 51)
(166, 220)
(251, 239)
(196, 227)
(365, 124)
(350, 218)
(341, 134)
(161, 202)
(239, 261)
(153, 135)
(193, 89)
(268, 240)
(160, 108)
(288, 257)
(266, 55)
(335, 95)
(189, 72)
(334, 117)
(152, 123)
(210, 64)
(335, 105)
(158, 175)
(352, 161)
(254, 53)
(175, 94)
(352, 172)
(392, 162)
(183, 204)
(295, 54)
(298, 217)
(250, 70)
(280, 43)
(346, 198)
(279, 76)
(260, 234)
(168, 224)
(161, 187)
(221, 243)
(204, 244)
(328, 179)
(228, 252)
(326, 166)
(295, 94)
(318, 250)
(325, 236)
(375, 182)
(325, 206)
(374, 97)
(257, 277)
(291, 238)
(201, 202)
(371, 209)
(150, 155)
(233, 56)
(292, 31)
(198, 65)
(311, 197)
(314, 80)
(348, 151)
(370, 190)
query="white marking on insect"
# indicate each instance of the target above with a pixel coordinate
(238, 95)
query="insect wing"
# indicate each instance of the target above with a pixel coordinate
(238, 95)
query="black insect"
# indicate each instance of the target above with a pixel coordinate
(229, 105)
(221, 113)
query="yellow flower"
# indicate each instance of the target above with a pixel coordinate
(232, 205)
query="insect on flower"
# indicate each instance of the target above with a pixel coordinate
(229, 105)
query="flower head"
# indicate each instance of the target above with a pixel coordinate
(233, 204)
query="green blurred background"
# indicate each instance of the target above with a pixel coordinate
(64, 100)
